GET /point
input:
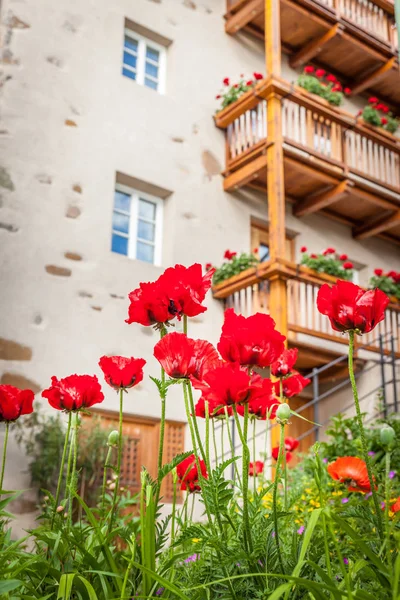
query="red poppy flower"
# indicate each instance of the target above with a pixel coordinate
(178, 291)
(309, 69)
(373, 100)
(262, 401)
(258, 76)
(224, 385)
(275, 454)
(214, 409)
(292, 386)
(74, 392)
(291, 443)
(303, 249)
(343, 257)
(378, 272)
(181, 356)
(384, 121)
(396, 506)
(329, 251)
(121, 372)
(229, 255)
(348, 265)
(321, 72)
(14, 403)
(347, 91)
(188, 475)
(352, 471)
(256, 468)
(225, 81)
(285, 363)
(250, 82)
(250, 341)
(349, 307)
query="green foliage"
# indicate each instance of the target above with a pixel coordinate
(235, 266)
(314, 85)
(327, 264)
(386, 121)
(386, 284)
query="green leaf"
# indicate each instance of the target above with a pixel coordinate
(8, 585)
(91, 594)
(65, 587)
(164, 582)
(167, 468)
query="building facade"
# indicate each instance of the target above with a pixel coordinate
(111, 171)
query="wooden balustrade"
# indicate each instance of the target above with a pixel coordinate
(329, 134)
(251, 295)
(368, 16)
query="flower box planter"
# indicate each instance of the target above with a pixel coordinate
(391, 137)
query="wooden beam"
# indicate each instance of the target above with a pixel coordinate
(273, 49)
(317, 202)
(373, 227)
(245, 174)
(244, 15)
(314, 47)
(373, 77)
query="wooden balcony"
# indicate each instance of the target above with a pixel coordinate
(355, 39)
(308, 330)
(332, 163)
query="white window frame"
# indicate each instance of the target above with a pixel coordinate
(136, 195)
(141, 60)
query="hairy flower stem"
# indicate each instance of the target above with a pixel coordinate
(245, 473)
(173, 518)
(387, 504)
(103, 489)
(228, 428)
(128, 569)
(254, 458)
(215, 442)
(119, 460)
(275, 495)
(3, 462)
(362, 435)
(284, 454)
(61, 472)
(162, 428)
(208, 464)
(222, 440)
(72, 481)
(194, 421)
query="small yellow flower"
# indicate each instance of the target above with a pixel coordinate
(391, 513)
(308, 491)
(196, 540)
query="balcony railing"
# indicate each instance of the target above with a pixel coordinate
(248, 293)
(326, 133)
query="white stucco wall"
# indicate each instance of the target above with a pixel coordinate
(63, 62)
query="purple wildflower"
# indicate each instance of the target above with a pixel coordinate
(325, 460)
(191, 558)
(301, 530)
(160, 591)
(368, 495)
(392, 474)
(346, 561)
(345, 500)
(371, 453)
(273, 534)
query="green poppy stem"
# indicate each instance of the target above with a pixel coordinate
(61, 472)
(119, 460)
(387, 504)
(254, 458)
(362, 435)
(74, 453)
(275, 495)
(3, 462)
(162, 427)
(103, 489)
(245, 473)
(228, 428)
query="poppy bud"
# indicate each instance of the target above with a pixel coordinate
(387, 435)
(283, 412)
(113, 438)
(59, 509)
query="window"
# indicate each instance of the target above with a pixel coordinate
(260, 240)
(144, 61)
(137, 225)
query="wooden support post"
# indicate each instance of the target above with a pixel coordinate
(314, 47)
(272, 37)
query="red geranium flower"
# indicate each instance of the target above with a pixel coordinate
(262, 401)
(343, 257)
(258, 76)
(348, 265)
(303, 249)
(14, 403)
(214, 409)
(229, 255)
(74, 392)
(292, 385)
(396, 506)
(373, 100)
(309, 69)
(181, 356)
(121, 372)
(337, 87)
(320, 73)
(188, 475)
(313, 255)
(384, 121)
(331, 78)
(385, 108)
(256, 468)
(378, 272)
(329, 251)
(208, 266)
(250, 82)
(178, 291)
(379, 106)
(224, 385)
(218, 96)
(352, 471)
(285, 363)
(391, 274)
(347, 91)
(349, 307)
(251, 341)
(225, 81)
